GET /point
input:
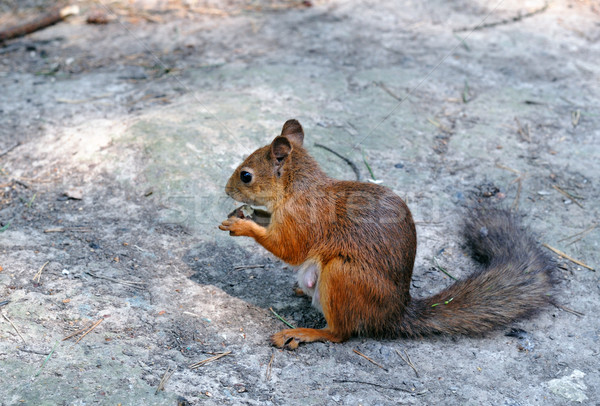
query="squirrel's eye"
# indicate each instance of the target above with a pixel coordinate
(246, 177)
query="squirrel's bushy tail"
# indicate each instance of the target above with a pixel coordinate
(514, 281)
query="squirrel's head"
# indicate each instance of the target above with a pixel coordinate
(261, 179)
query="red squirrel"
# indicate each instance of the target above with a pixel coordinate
(355, 245)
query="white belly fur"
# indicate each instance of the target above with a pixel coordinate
(308, 280)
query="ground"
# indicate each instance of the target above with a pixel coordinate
(116, 141)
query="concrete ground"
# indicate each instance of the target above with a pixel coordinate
(116, 141)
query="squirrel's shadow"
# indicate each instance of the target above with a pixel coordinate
(254, 277)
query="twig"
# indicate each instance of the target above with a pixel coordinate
(269, 366)
(163, 381)
(38, 23)
(581, 233)
(519, 181)
(523, 131)
(91, 328)
(369, 359)
(372, 384)
(568, 195)
(442, 269)
(408, 362)
(281, 318)
(209, 11)
(562, 254)
(47, 358)
(81, 330)
(4, 303)
(80, 101)
(55, 230)
(15, 327)
(206, 361)
(9, 149)
(44, 353)
(20, 182)
(240, 267)
(388, 91)
(343, 158)
(63, 229)
(439, 125)
(38, 275)
(506, 168)
(514, 19)
(126, 283)
(566, 309)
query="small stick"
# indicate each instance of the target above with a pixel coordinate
(4, 303)
(376, 385)
(281, 318)
(506, 168)
(343, 158)
(81, 330)
(439, 125)
(515, 204)
(38, 275)
(388, 91)
(369, 359)
(408, 361)
(55, 230)
(38, 23)
(163, 381)
(567, 194)
(7, 150)
(268, 374)
(240, 267)
(15, 327)
(63, 229)
(524, 134)
(562, 254)
(126, 283)
(442, 269)
(206, 361)
(47, 358)
(581, 233)
(91, 328)
(514, 19)
(566, 309)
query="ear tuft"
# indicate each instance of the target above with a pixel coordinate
(281, 148)
(293, 131)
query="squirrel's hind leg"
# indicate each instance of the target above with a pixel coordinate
(290, 338)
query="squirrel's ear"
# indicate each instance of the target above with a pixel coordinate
(293, 131)
(280, 149)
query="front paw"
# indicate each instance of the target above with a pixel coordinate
(237, 226)
(285, 339)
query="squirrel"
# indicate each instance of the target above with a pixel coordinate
(355, 245)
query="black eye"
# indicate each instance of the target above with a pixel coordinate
(246, 177)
